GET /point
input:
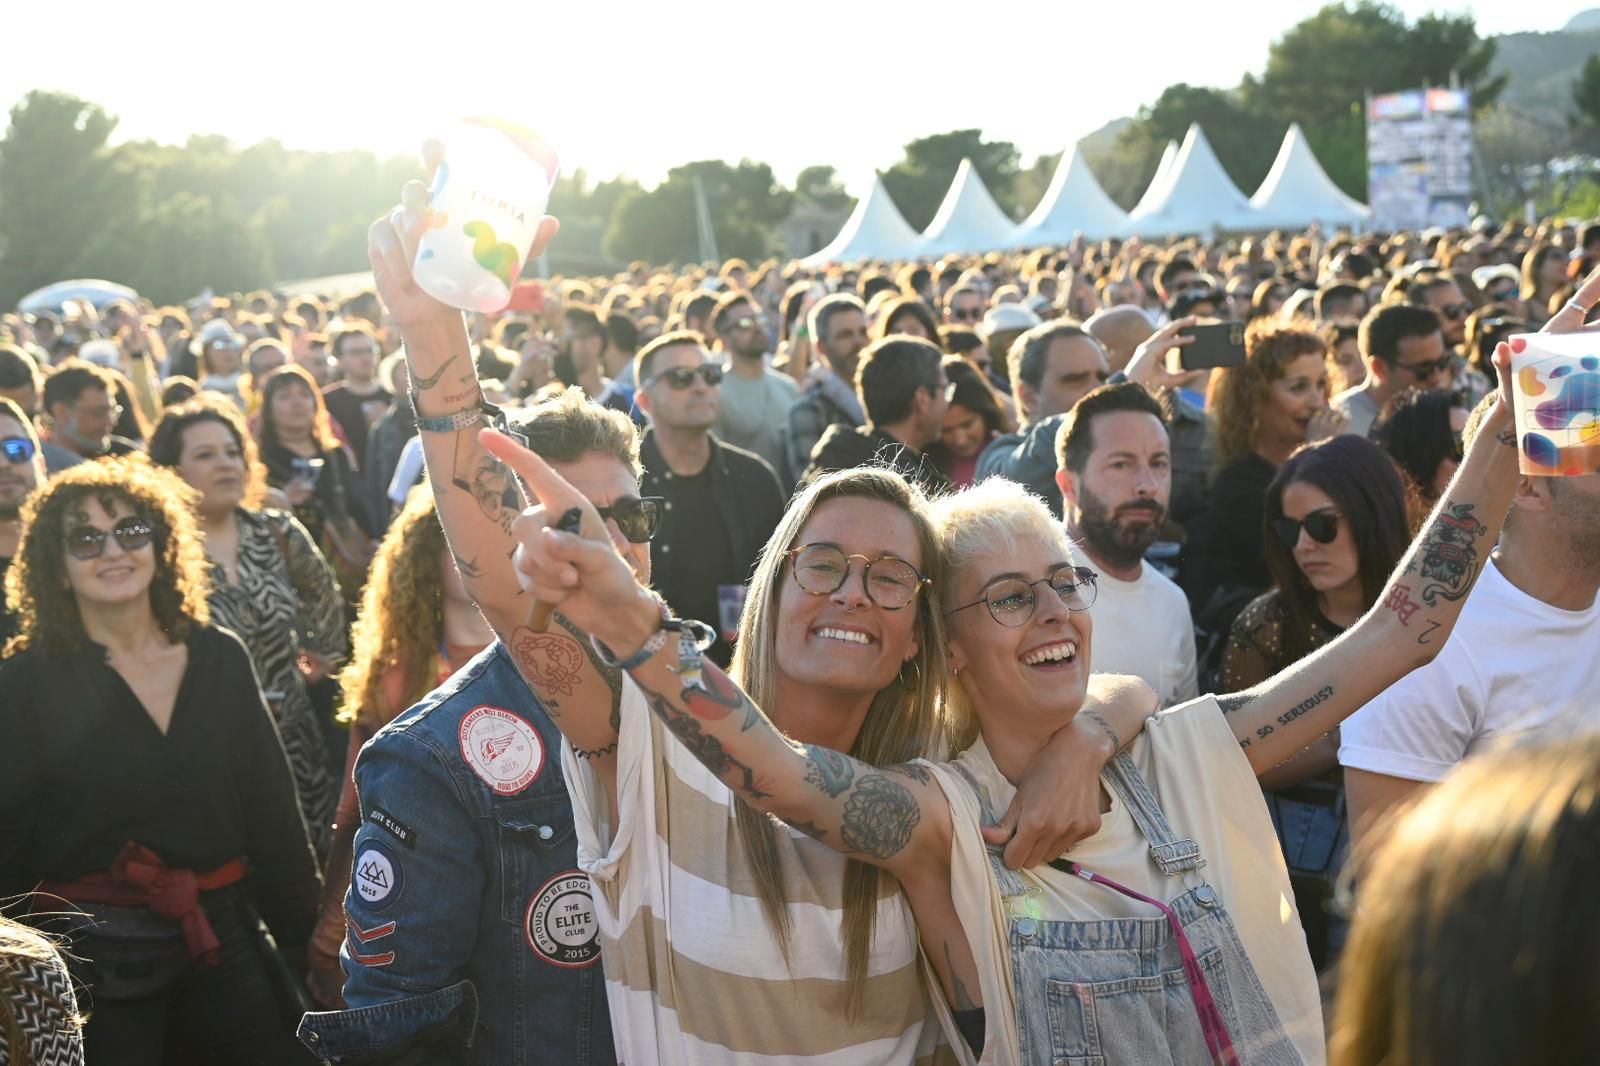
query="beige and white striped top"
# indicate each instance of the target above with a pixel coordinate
(693, 972)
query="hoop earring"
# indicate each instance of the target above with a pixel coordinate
(916, 671)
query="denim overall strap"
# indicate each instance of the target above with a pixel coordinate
(1172, 855)
(1011, 886)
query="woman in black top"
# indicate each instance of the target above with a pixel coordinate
(315, 473)
(1335, 529)
(142, 785)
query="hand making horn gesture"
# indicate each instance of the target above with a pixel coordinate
(581, 571)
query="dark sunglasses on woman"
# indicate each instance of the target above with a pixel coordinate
(17, 450)
(1323, 526)
(87, 542)
(637, 518)
(681, 377)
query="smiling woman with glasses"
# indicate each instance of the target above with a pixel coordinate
(142, 784)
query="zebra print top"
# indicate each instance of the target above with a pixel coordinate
(39, 1023)
(286, 599)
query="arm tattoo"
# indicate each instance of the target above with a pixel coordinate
(963, 998)
(879, 817)
(421, 384)
(1305, 706)
(609, 674)
(1116, 741)
(487, 480)
(469, 568)
(1448, 560)
(551, 662)
(709, 750)
(1424, 639)
(916, 773)
(717, 697)
(1235, 701)
(1508, 437)
(828, 770)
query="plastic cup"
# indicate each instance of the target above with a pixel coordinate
(488, 196)
(1555, 392)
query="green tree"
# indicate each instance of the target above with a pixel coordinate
(745, 203)
(1320, 71)
(1586, 91)
(921, 178)
(821, 185)
(1245, 141)
(60, 187)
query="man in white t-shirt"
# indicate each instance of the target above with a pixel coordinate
(1114, 469)
(1525, 655)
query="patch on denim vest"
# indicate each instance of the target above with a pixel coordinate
(378, 875)
(502, 749)
(560, 923)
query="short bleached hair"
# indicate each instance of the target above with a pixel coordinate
(995, 513)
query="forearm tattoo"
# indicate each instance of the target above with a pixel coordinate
(708, 749)
(420, 383)
(879, 817)
(1116, 741)
(716, 697)
(1448, 560)
(1236, 701)
(469, 568)
(609, 674)
(487, 480)
(829, 771)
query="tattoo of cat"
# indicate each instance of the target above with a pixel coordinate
(829, 771)
(879, 817)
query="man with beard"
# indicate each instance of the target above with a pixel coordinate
(21, 472)
(1115, 475)
(838, 325)
(717, 504)
(755, 398)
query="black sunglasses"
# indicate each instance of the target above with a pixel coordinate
(18, 449)
(87, 542)
(1455, 311)
(1322, 525)
(1423, 371)
(681, 377)
(971, 314)
(637, 518)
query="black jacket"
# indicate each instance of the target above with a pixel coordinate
(847, 447)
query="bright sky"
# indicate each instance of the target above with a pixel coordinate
(638, 86)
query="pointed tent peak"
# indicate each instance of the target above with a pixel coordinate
(968, 219)
(874, 230)
(1074, 203)
(1297, 191)
(1158, 181)
(1199, 196)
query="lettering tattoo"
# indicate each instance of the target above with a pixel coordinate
(709, 750)
(423, 383)
(1448, 561)
(1305, 706)
(551, 662)
(1400, 602)
(879, 817)
(829, 771)
(1427, 634)
(958, 992)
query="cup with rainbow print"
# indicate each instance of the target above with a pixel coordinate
(1555, 393)
(484, 207)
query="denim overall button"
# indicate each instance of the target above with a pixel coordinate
(1206, 896)
(1026, 927)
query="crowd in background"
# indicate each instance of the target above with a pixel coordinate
(224, 570)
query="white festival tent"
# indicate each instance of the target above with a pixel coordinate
(1199, 196)
(1158, 181)
(1074, 203)
(1298, 192)
(968, 220)
(874, 230)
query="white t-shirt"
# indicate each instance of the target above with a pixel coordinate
(1513, 665)
(1142, 627)
(407, 472)
(1206, 789)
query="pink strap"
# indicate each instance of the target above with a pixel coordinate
(1211, 1022)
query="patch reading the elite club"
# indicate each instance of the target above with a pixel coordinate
(502, 749)
(393, 826)
(561, 924)
(377, 875)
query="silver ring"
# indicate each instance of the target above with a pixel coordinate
(1575, 306)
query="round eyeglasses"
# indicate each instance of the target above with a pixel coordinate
(1011, 599)
(821, 570)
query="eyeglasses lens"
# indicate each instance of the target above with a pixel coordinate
(821, 569)
(87, 542)
(17, 449)
(1011, 602)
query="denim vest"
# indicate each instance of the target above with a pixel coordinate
(468, 924)
(1109, 991)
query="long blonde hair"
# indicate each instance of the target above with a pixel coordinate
(904, 722)
(401, 620)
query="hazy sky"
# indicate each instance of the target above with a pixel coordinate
(637, 86)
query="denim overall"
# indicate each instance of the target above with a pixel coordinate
(1101, 993)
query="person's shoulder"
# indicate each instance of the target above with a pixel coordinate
(1352, 399)
(218, 645)
(741, 461)
(1161, 587)
(783, 382)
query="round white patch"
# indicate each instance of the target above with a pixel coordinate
(376, 875)
(561, 924)
(502, 749)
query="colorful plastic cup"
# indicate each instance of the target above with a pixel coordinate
(1555, 392)
(488, 196)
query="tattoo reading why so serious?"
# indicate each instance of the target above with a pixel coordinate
(1305, 706)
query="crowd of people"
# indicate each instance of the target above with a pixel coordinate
(879, 663)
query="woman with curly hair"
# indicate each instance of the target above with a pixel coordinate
(269, 583)
(416, 628)
(142, 784)
(1262, 411)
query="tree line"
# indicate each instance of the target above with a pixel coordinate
(173, 219)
